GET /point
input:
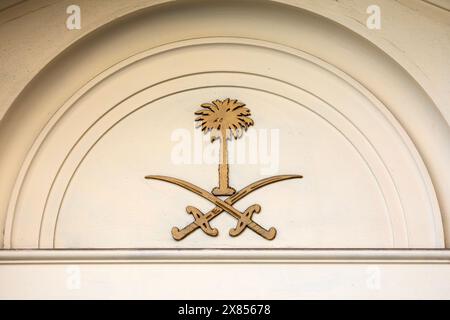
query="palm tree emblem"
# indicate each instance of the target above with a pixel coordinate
(224, 120)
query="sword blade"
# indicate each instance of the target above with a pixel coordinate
(201, 192)
(181, 234)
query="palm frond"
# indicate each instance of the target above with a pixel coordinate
(228, 117)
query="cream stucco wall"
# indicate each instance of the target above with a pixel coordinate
(33, 33)
(415, 34)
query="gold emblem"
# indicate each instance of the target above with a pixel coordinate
(224, 120)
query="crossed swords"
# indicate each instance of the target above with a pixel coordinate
(244, 219)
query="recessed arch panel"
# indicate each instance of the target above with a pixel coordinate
(326, 101)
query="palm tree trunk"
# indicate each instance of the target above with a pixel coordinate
(223, 166)
(224, 188)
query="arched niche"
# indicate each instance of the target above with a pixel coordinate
(367, 111)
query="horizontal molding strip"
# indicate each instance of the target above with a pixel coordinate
(299, 256)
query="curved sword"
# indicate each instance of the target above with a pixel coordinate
(181, 234)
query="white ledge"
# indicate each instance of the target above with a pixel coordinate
(133, 256)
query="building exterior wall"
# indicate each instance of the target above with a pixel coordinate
(389, 89)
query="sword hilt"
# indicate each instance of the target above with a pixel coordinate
(266, 234)
(178, 234)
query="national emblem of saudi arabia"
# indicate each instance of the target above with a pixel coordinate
(224, 120)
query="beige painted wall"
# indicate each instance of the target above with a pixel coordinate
(305, 275)
(34, 33)
(415, 32)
